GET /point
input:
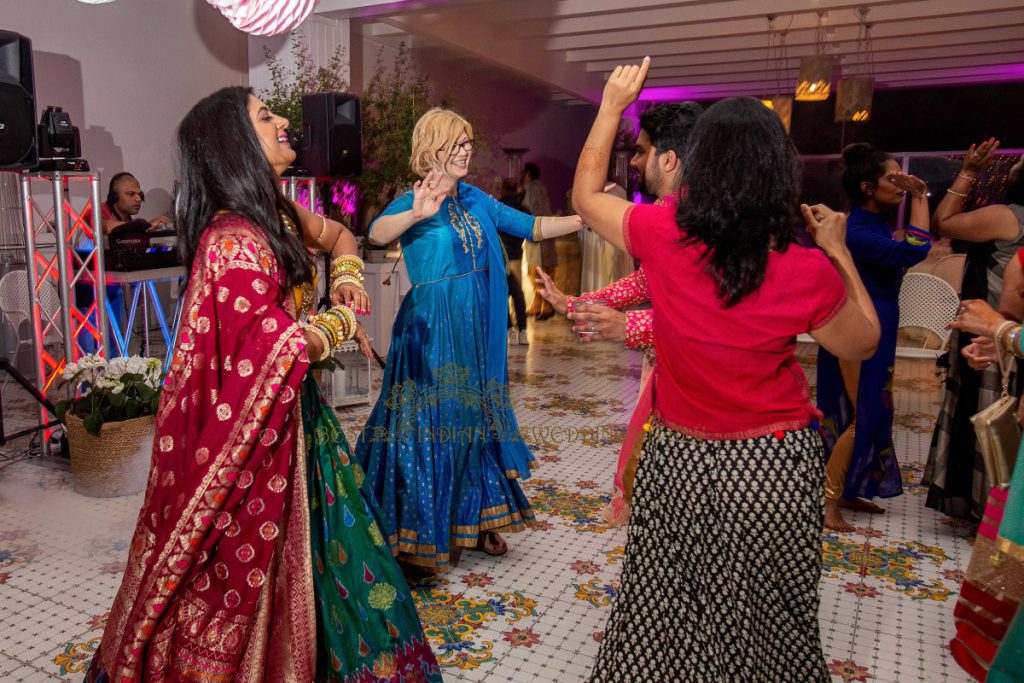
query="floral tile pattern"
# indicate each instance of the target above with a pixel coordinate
(536, 615)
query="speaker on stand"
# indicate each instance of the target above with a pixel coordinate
(18, 147)
(332, 134)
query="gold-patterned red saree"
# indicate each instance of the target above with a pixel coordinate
(218, 585)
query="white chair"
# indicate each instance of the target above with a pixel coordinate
(16, 306)
(930, 303)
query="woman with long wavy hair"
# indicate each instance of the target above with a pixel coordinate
(255, 557)
(723, 554)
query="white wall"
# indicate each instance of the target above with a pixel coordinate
(506, 110)
(127, 72)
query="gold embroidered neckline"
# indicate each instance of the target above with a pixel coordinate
(466, 226)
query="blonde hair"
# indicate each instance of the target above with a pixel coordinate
(435, 135)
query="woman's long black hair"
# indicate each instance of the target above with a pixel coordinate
(221, 166)
(742, 175)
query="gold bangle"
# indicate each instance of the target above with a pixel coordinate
(342, 270)
(323, 342)
(350, 323)
(958, 194)
(348, 259)
(323, 229)
(1015, 348)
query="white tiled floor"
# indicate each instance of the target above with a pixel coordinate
(536, 615)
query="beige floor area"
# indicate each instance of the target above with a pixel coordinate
(537, 615)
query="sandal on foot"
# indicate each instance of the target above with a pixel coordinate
(491, 543)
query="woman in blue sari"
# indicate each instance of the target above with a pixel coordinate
(442, 450)
(855, 397)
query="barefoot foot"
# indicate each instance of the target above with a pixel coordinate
(862, 505)
(834, 518)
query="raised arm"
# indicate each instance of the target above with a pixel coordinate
(995, 222)
(427, 196)
(853, 333)
(604, 212)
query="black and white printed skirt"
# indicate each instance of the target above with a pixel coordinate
(723, 558)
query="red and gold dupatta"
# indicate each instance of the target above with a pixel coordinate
(218, 585)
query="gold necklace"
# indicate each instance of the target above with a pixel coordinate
(305, 294)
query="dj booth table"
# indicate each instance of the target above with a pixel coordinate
(142, 286)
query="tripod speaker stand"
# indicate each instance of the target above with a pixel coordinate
(8, 367)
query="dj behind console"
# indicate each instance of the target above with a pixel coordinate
(135, 246)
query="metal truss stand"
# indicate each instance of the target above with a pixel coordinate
(291, 187)
(63, 250)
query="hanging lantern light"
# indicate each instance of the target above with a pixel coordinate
(815, 80)
(265, 17)
(853, 99)
(782, 105)
(854, 95)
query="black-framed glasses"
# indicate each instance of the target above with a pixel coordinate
(465, 145)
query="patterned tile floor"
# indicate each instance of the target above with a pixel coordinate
(536, 615)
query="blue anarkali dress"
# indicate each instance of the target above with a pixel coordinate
(442, 450)
(881, 262)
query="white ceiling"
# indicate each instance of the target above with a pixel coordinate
(706, 48)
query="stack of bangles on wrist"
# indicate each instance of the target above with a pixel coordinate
(347, 269)
(916, 236)
(1008, 339)
(333, 327)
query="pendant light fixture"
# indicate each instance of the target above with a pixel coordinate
(782, 105)
(815, 81)
(854, 95)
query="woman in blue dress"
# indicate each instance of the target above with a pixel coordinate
(856, 396)
(442, 450)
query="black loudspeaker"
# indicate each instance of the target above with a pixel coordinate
(18, 149)
(332, 134)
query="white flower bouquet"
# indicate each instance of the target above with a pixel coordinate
(111, 390)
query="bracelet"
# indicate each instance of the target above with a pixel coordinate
(323, 229)
(346, 280)
(916, 237)
(347, 272)
(1000, 337)
(325, 345)
(1014, 342)
(967, 177)
(958, 194)
(349, 261)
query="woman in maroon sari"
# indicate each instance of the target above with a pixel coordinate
(221, 582)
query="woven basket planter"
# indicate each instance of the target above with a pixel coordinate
(115, 463)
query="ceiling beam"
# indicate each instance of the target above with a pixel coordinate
(956, 44)
(993, 13)
(463, 33)
(730, 17)
(660, 42)
(895, 62)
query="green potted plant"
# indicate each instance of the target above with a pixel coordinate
(109, 421)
